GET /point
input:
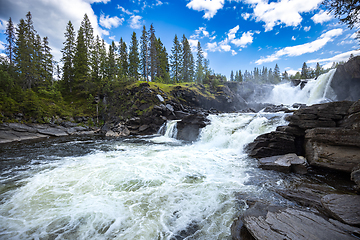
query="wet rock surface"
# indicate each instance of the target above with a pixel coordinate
(274, 222)
(14, 132)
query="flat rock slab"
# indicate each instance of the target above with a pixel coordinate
(284, 163)
(345, 208)
(293, 224)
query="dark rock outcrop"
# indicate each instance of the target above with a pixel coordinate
(189, 127)
(346, 80)
(274, 222)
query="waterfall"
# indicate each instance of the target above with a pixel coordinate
(169, 129)
(315, 91)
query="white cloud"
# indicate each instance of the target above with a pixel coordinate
(232, 32)
(193, 44)
(124, 10)
(200, 33)
(108, 22)
(321, 17)
(293, 38)
(303, 48)
(306, 29)
(233, 52)
(246, 38)
(2, 45)
(327, 62)
(3, 24)
(245, 16)
(51, 17)
(135, 22)
(281, 12)
(210, 7)
(112, 38)
(212, 47)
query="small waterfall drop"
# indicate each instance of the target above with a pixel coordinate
(169, 129)
(315, 91)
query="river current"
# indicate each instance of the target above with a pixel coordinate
(150, 187)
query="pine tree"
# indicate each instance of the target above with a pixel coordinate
(276, 74)
(112, 65)
(81, 66)
(232, 76)
(318, 70)
(96, 61)
(103, 60)
(240, 76)
(134, 60)
(187, 66)
(21, 55)
(123, 59)
(47, 61)
(37, 59)
(10, 41)
(162, 66)
(285, 76)
(153, 55)
(88, 32)
(304, 71)
(68, 53)
(199, 64)
(175, 60)
(144, 55)
(30, 68)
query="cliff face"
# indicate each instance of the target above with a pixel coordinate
(346, 80)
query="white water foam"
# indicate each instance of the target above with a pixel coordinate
(140, 190)
(315, 91)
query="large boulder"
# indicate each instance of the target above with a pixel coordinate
(189, 127)
(333, 148)
(271, 144)
(346, 80)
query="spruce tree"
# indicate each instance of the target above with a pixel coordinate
(232, 76)
(318, 70)
(68, 54)
(153, 55)
(187, 66)
(162, 65)
(21, 54)
(47, 61)
(96, 61)
(199, 64)
(175, 60)
(112, 65)
(134, 60)
(123, 58)
(81, 66)
(304, 71)
(144, 56)
(10, 41)
(277, 74)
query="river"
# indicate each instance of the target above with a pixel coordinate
(150, 187)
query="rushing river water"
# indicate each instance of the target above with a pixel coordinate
(152, 187)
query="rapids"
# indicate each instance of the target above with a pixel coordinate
(152, 187)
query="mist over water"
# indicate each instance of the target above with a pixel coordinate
(152, 187)
(315, 91)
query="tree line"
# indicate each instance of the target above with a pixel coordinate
(88, 63)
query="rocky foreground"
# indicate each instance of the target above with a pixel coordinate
(322, 136)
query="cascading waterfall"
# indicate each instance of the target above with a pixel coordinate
(135, 188)
(169, 129)
(315, 91)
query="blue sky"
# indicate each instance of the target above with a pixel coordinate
(234, 34)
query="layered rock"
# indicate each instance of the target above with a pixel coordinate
(13, 132)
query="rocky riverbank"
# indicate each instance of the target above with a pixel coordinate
(322, 137)
(15, 132)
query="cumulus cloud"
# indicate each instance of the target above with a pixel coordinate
(135, 22)
(108, 22)
(293, 38)
(281, 12)
(245, 16)
(200, 33)
(306, 29)
(321, 17)
(210, 7)
(124, 10)
(303, 48)
(51, 17)
(245, 39)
